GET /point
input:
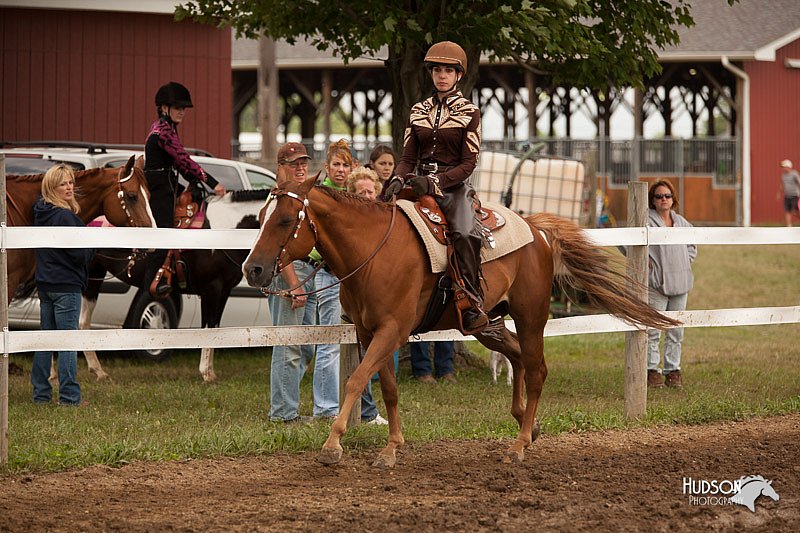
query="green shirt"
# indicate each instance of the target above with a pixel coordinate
(314, 254)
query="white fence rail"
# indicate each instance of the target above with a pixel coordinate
(28, 237)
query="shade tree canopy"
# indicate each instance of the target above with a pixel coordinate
(585, 43)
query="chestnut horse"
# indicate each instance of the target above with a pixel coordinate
(387, 298)
(120, 194)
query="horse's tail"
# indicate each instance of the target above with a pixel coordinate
(580, 263)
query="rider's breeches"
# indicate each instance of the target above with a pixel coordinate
(466, 237)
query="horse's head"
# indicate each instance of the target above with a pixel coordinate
(128, 203)
(286, 233)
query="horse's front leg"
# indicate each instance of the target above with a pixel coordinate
(207, 365)
(387, 457)
(376, 357)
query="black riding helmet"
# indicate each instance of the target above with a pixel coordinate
(174, 94)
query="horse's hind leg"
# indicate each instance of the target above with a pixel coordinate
(529, 375)
(506, 342)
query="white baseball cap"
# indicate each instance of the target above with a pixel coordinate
(786, 163)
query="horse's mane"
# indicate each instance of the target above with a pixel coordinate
(28, 178)
(24, 177)
(353, 199)
(249, 195)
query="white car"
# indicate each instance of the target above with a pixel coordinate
(121, 305)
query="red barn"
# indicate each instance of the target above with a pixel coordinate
(91, 75)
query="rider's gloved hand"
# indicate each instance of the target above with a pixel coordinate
(394, 186)
(420, 184)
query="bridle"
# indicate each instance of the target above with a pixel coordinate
(303, 215)
(121, 196)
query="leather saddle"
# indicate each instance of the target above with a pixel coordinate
(187, 215)
(435, 220)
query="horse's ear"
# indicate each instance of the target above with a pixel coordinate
(129, 165)
(140, 162)
(309, 183)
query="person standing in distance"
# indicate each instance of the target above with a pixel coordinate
(61, 277)
(790, 191)
(164, 158)
(670, 279)
(440, 150)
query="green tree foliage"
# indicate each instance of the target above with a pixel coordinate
(587, 43)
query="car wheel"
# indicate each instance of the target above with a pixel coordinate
(148, 313)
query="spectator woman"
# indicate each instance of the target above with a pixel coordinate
(338, 165)
(364, 182)
(61, 276)
(382, 160)
(670, 280)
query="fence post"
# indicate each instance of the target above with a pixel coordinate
(348, 362)
(3, 320)
(636, 341)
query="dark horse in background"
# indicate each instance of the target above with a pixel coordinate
(387, 299)
(210, 274)
(119, 194)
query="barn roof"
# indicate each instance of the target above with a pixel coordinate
(748, 30)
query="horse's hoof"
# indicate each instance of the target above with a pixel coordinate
(100, 376)
(536, 430)
(512, 457)
(329, 456)
(209, 379)
(385, 461)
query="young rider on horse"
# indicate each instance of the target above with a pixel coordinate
(165, 157)
(440, 151)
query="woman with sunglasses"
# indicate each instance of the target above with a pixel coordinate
(670, 280)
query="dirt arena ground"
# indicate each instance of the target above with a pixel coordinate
(609, 481)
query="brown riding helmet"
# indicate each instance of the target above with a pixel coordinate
(446, 53)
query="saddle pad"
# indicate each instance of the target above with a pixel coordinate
(513, 236)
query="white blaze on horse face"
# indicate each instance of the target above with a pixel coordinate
(270, 209)
(146, 197)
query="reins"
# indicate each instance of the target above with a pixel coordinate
(301, 216)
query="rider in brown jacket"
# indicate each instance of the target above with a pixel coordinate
(440, 150)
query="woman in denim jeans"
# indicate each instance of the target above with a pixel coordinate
(338, 165)
(61, 276)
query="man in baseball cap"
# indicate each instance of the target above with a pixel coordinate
(289, 362)
(291, 152)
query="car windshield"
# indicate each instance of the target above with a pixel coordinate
(22, 165)
(260, 180)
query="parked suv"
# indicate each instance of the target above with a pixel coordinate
(119, 304)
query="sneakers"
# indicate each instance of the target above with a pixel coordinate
(378, 421)
(674, 380)
(654, 380)
(427, 378)
(449, 378)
